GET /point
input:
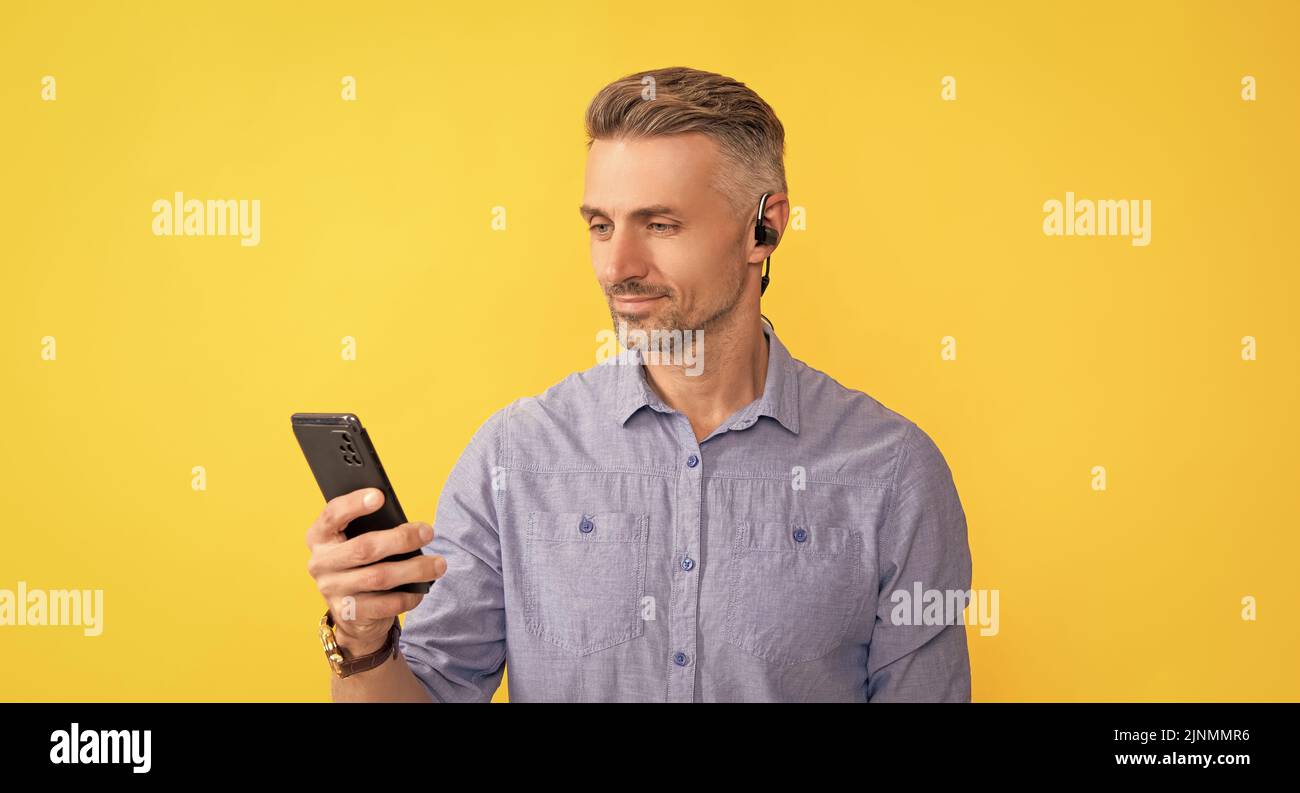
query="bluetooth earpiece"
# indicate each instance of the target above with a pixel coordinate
(764, 235)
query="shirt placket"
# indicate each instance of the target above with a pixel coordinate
(685, 598)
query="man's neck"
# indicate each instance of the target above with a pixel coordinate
(733, 374)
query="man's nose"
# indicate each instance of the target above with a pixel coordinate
(623, 256)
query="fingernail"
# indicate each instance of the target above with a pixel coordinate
(370, 499)
(426, 532)
(440, 565)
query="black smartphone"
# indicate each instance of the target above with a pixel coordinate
(343, 459)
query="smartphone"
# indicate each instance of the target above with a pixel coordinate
(343, 459)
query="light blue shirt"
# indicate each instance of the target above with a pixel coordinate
(601, 553)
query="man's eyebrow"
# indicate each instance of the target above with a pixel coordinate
(642, 212)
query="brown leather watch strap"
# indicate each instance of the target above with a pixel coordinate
(351, 666)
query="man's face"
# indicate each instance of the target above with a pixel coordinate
(666, 246)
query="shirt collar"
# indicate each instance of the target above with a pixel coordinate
(780, 399)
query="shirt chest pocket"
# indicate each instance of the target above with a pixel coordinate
(584, 577)
(794, 590)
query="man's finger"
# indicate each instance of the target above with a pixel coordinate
(381, 576)
(370, 547)
(341, 511)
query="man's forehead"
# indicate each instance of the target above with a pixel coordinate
(667, 158)
(665, 175)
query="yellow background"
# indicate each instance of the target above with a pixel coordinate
(924, 220)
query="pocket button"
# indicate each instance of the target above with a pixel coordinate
(793, 590)
(583, 589)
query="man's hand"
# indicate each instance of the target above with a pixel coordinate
(352, 584)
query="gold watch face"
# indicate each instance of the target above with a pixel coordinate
(332, 652)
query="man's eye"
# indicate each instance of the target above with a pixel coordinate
(658, 228)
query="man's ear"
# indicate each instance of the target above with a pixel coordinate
(776, 215)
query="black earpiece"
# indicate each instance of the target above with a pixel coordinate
(764, 235)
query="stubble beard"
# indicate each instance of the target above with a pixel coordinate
(671, 318)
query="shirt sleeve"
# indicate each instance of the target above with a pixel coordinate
(455, 639)
(922, 546)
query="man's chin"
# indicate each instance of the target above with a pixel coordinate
(639, 321)
(633, 322)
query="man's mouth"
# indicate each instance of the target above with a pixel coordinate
(634, 302)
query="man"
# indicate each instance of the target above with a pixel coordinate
(713, 522)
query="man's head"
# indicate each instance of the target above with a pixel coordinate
(677, 162)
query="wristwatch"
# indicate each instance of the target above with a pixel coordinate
(345, 667)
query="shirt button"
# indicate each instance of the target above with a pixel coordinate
(585, 526)
(688, 563)
(692, 461)
(680, 659)
(800, 535)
